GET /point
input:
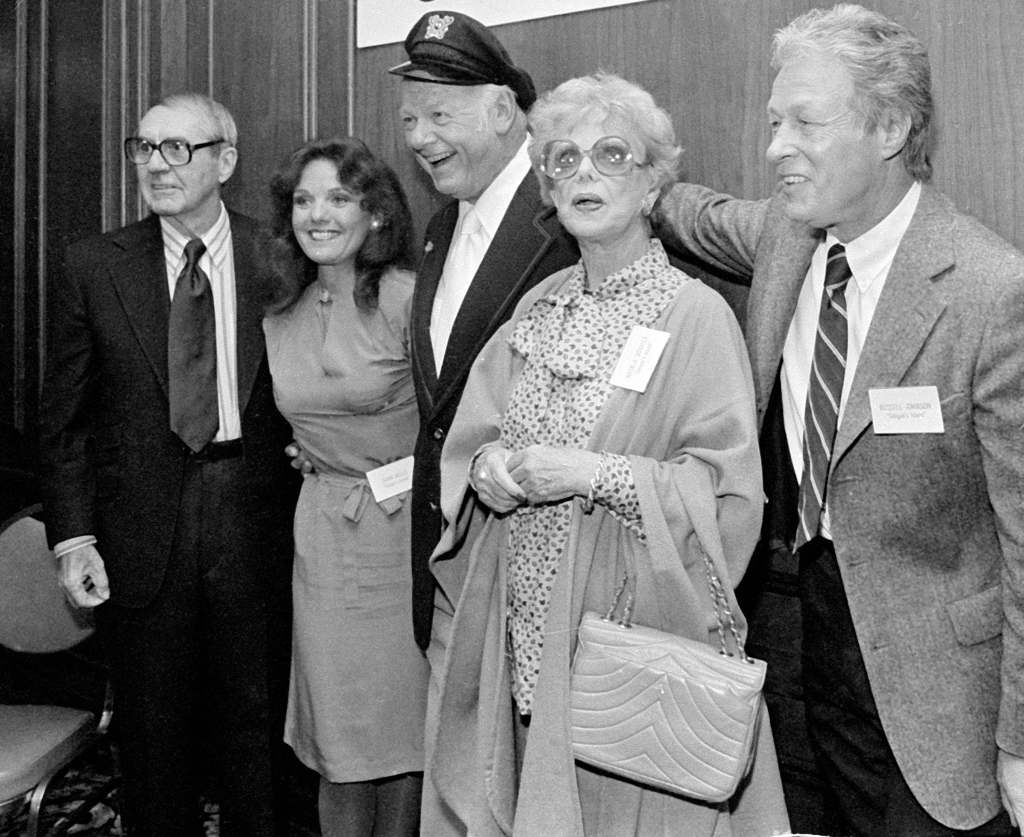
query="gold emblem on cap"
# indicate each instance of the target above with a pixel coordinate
(437, 26)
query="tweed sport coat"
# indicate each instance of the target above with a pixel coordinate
(928, 528)
(529, 246)
(112, 466)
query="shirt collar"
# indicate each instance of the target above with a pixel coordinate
(216, 239)
(495, 199)
(870, 254)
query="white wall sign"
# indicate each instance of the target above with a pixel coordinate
(389, 21)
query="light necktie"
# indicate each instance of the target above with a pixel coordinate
(464, 257)
(192, 353)
(824, 391)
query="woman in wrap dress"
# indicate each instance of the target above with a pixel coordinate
(337, 342)
(556, 482)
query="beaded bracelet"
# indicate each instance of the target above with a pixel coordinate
(599, 474)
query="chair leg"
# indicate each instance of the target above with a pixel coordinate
(34, 807)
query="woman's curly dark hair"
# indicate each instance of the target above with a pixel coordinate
(388, 247)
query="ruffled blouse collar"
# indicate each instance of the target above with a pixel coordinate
(554, 334)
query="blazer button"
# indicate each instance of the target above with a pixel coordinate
(439, 433)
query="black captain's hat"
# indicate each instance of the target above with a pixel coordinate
(453, 48)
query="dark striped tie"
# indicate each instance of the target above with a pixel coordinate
(828, 369)
(192, 354)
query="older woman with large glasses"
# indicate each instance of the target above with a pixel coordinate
(610, 420)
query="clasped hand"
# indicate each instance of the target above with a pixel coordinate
(299, 458)
(538, 474)
(83, 577)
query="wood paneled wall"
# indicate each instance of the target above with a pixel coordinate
(706, 62)
(75, 76)
(282, 68)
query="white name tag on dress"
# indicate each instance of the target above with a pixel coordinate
(639, 357)
(906, 410)
(391, 479)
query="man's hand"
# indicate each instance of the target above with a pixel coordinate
(83, 577)
(1010, 775)
(300, 459)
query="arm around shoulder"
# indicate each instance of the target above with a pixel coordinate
(716, 227)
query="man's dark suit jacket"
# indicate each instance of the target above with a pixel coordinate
(529, 245)
(111, 465)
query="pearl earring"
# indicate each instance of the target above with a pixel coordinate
(375, 224)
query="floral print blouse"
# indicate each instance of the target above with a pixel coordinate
(571, 341)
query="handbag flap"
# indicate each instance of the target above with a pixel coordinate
(663, 710)
(671, 654)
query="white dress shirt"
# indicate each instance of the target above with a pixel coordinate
(870, 256)
(458, 273)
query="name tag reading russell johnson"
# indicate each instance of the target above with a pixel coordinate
(391, 479)
(639, 357)
(906, 410)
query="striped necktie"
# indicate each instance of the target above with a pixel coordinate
(828, 369)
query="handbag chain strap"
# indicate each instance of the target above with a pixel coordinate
(627, 611)
(723, 612)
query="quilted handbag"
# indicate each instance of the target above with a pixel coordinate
(664, 710)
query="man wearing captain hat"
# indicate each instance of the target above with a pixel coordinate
(463, 108)
(453, 48)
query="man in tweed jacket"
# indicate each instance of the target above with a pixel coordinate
(912, 589)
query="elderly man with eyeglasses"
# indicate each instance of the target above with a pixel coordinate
(166, 488)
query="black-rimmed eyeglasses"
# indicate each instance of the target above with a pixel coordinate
(176, 152)
(611, 156)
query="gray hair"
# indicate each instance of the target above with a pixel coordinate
(886, 61)
(608, 95)
(219, 119)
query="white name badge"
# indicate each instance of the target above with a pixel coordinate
(906, 410)
(391, 479)
(639, 357)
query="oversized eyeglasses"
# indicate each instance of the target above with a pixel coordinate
(176, 152)
(609, 155)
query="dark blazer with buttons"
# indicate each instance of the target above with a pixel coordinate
(928, 528)
(529, 245)
(111, 465)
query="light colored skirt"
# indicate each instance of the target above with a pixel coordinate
(357, 697)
